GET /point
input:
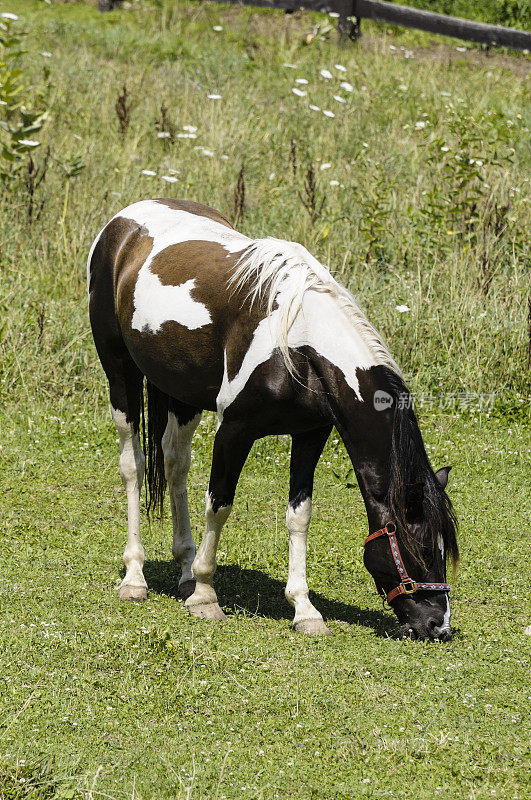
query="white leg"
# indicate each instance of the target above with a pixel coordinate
(307, 619)
(204, 601)
(133, 586)
(176, 444)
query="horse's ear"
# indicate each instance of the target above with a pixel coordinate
(442, 476)
(414, 494)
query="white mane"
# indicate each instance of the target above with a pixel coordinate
(281, 272)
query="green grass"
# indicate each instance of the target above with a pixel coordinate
(100, 699)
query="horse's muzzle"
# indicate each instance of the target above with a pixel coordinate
(428, 632)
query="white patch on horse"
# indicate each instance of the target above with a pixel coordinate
(446, 620)
(440, 542)
(307, 619)
(154, 302)
(204, 564)
(319, 323)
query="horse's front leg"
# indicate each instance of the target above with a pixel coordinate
(305, 452)
(231, 448)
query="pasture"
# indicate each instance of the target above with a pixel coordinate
(414, 189)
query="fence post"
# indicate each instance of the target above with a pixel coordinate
(345, 26)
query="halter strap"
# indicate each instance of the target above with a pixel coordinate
(407, 585)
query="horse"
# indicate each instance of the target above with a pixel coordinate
(259, 331)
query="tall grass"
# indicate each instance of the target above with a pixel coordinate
(420, 179)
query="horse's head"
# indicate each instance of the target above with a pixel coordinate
(407, 558)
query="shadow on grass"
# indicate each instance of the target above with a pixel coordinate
(254, 592)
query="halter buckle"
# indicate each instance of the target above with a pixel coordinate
(408, 586)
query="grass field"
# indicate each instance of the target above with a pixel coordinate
(106, 700)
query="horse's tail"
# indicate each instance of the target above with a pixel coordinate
(157, 419)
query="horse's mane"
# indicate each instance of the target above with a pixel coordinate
(409, 464)
(279, 273)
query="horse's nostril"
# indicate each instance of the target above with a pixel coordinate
(438, 632)
(431, 626)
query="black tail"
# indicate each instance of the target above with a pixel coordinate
(157, 419)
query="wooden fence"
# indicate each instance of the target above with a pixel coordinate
(351, 12)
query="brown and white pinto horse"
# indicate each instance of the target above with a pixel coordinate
(260, 332)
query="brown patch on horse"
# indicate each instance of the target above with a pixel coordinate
(233, 318)
(195, 208)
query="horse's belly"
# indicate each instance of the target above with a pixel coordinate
(187, 365)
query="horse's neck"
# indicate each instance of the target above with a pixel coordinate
(366, 428)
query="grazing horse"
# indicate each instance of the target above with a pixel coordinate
(259, 331)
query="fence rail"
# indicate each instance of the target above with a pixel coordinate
(351, 12)
(495, 35)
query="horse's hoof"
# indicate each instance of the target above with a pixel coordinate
(313, 627)
(136, 594)
(186, 589)
(207, 611)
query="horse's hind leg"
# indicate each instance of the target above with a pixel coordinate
(176, 444)
(305, 452)
(125, 388)
(126, 416)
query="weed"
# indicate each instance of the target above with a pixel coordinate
(239, 196)
(123, 111)
(310, 196)
(165, 127)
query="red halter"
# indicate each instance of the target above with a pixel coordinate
(406, 585)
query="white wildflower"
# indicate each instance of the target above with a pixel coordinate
(403, 87)
(444, 148)
(461, 49)
(402, 309)
(46, 54)
(187, 136)
(314, 108)
(334, 183)
(28, 142)
(9, 15)
(149, 172)
(340, 68)
(163, 135)
(301, 80)
(326, 166)
(189, 128)
(224, 157)
(208, 153)
(299, 92)
(420, 124)
(289, 66)
(217, 28)
(333, 14)
(169, 179)
(328, 113)
(339, 98)
(326, 74)
(214, 96)
(348, 87)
